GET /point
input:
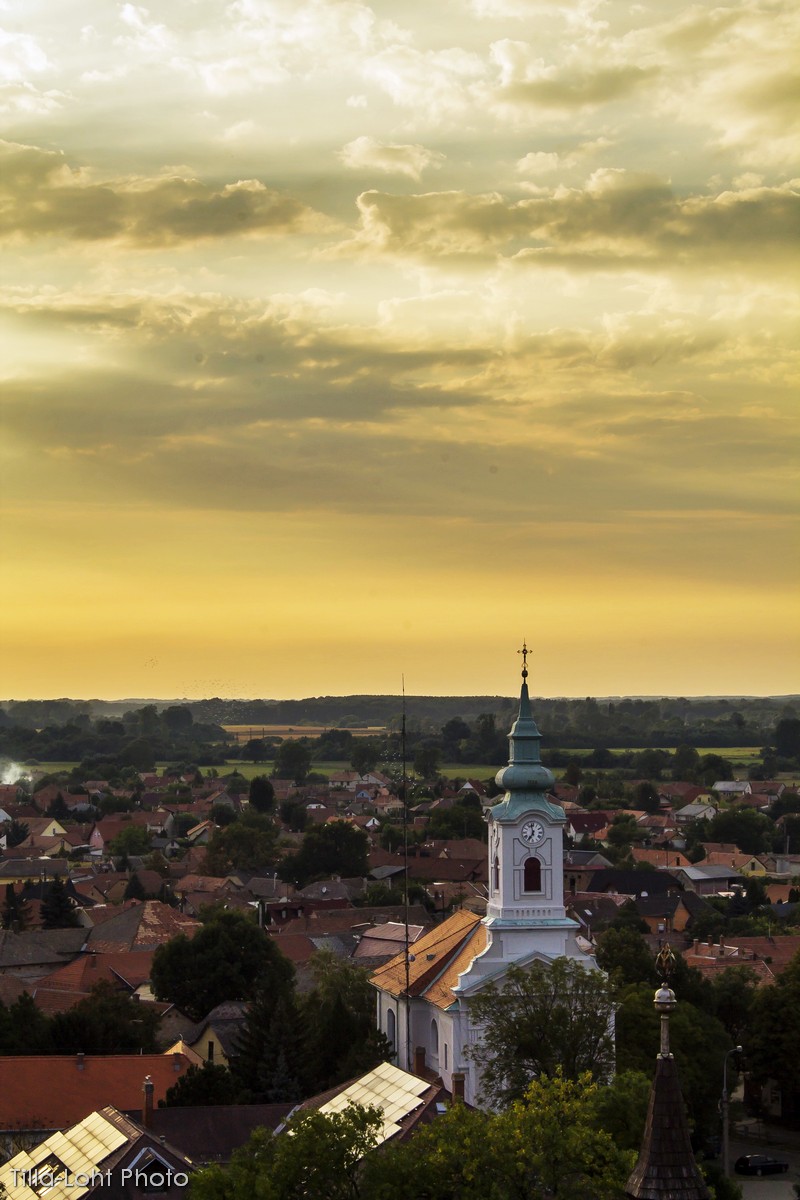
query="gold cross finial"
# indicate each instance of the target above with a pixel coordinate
(524, 653)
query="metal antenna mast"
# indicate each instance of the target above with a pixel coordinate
(405, 881)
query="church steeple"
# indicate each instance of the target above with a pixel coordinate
(526, 887)
(525, 778)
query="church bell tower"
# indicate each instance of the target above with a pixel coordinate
(525, 911)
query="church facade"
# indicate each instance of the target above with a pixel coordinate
(423, 1001)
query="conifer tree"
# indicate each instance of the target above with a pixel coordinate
(16, 912)
(57, 908)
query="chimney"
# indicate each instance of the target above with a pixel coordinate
(458, 1085)
(148, 1088)
(79, 1060)
(419, 1060)
(721, 947)
(696, 946)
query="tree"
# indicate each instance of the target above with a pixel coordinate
(58, 808)
(341, 1039)
(751, 831)
(108, 1021)
(318, 1155)
(16, 833)
(697, 1039)
(228, 959)
(57, 910)
(139, 753)
(625, 956)
(202, 1086)
(734, 993)
(177, 720)
(621, 1108)
(222, 815)
(16, 910)
(772, 1041)
(427, 757)
(541, 1020)
(573, 773)
(255, 749)
(547, 1144)
(261, 794)
(133, 839)
(247, 844)
(685, 763)
(268, 1063)
(363, 755)
(337, 848)
(134, 889)
(787, 737)
(646, 797)
(292, 761)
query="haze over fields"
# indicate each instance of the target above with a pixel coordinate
(345, 341)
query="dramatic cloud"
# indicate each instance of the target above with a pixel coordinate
(368, 154)
(318, 320)
(617, 214)
(41, 197)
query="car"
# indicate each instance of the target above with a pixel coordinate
(759, 1164)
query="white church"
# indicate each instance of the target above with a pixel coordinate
(423, 1001)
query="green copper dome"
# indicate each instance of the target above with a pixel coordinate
(525, 781)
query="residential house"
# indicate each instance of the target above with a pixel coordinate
(210, 1133)
(697, 810)
(107, 1155)
(746, 864)
(42, 1093)
(709, 879)
(405, 1101)
(216, 1037)
(581, 825)
(663, 858)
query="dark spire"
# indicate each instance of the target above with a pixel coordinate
(666, 1169)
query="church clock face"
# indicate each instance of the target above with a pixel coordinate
(532, 832)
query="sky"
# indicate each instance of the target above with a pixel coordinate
(347, 343)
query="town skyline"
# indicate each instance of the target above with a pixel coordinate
(344, 344)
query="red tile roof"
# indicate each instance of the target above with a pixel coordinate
(55, 1091)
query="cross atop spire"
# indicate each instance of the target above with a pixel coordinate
(524, 652)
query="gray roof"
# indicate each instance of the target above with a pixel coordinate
(38, 946)
(210, 1134)
(709, 871)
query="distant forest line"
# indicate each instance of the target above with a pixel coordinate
(619, 722)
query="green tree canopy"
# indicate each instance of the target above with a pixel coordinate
(57, 910)
(247, 844)
(547, 1144)
(753, 832)
(261, 794)
(202, 1086)
(697, 1039)
(539, 1021)
(318, 1156)
(228, 959)
(108, 1021)
(292, 761)
(337, 848)
(132, 839)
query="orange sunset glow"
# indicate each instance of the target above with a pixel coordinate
(350, 341)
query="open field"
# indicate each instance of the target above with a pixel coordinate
(243, 733)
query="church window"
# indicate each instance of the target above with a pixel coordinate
(532, 878)
(434, 1038)
(496, 874)
(391, 1027)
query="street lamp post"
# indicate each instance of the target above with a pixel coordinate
(726, 1149)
